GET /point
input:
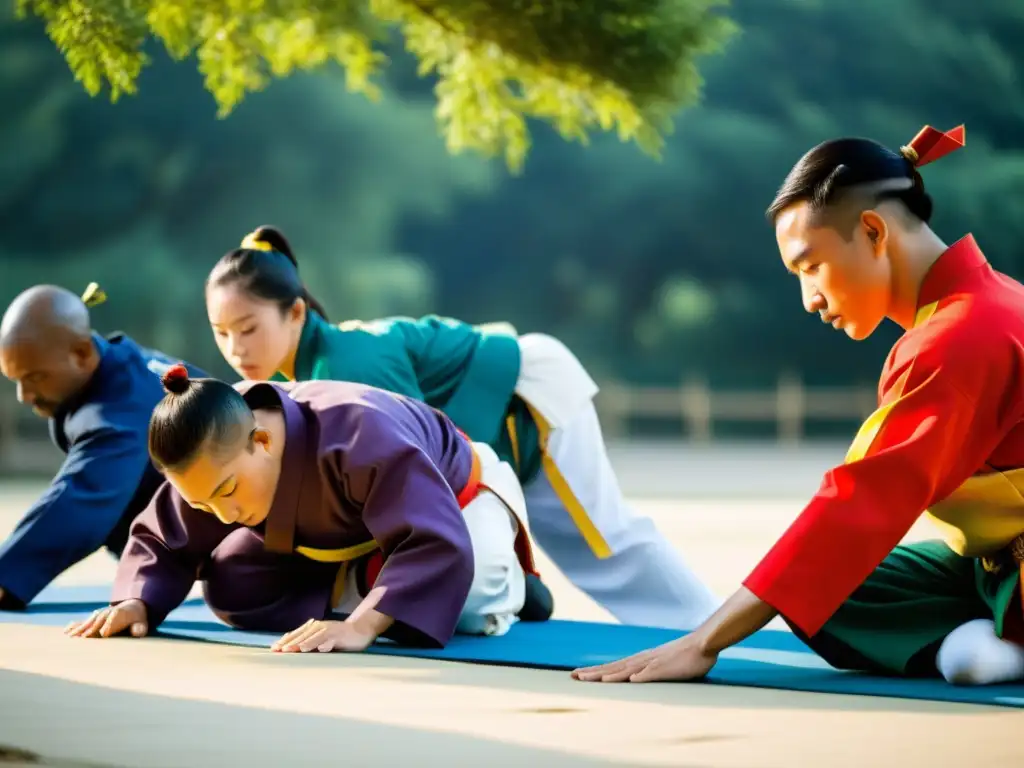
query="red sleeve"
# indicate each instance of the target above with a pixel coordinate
(939, 420)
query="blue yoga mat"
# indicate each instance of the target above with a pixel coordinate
(769, 659)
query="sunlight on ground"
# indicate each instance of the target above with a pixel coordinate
(170, 703)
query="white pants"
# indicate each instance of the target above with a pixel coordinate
(498, 590)
(627, 566)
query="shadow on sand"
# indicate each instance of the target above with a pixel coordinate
(102, 727)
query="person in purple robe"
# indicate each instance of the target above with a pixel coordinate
(332, 511)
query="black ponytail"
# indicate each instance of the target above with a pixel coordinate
(265, 266)
(313, 304)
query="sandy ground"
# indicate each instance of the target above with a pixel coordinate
(176, 704)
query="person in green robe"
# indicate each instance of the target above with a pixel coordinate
(528, 397)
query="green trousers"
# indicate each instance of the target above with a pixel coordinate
(895, 621)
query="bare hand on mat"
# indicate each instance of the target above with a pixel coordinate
(324, 636)
(680, 659)
(112, 620)
(692, 656)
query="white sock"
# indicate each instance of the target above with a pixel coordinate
(972, 655)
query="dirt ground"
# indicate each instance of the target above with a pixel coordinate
(177, 704)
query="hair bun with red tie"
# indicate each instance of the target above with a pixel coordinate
(931, 144)
(176, 380)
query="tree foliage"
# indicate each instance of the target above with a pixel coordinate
(651, 272)
(673, 265)
(579, 65)
(144, 196)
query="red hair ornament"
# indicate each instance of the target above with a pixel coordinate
(931, 144)
(175, 379)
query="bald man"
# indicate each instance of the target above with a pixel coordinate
(98, 394)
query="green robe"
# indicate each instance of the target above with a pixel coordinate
(468, 372)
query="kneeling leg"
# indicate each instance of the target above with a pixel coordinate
(251, 589)
(498, 591)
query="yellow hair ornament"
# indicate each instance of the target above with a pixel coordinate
(252, 240)
(94, 295)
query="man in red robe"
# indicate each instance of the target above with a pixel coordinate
(947, 439)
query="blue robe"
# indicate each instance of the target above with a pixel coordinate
(106, 479)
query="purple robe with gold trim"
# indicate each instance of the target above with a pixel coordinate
(359, 464)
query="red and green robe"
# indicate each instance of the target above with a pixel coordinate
(947, 440)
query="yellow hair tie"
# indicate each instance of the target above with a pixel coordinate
(253, 241)
(94, 295)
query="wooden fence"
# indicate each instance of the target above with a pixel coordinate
(789, 406)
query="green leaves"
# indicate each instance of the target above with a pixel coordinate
(579, 65)
(241, 45)
(101, 40)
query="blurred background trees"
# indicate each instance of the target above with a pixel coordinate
(651, 270)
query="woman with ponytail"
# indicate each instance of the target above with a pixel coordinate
(852, 225)
(292, 502)
(528, 397)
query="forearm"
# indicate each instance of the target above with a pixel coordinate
(167, 546)
(366, 619)
(151, 573)
(740, 616)
(409, 509)
(161, 589)
(75, 516)
(37, 554)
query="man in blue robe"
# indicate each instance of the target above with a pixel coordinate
(98, 394)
